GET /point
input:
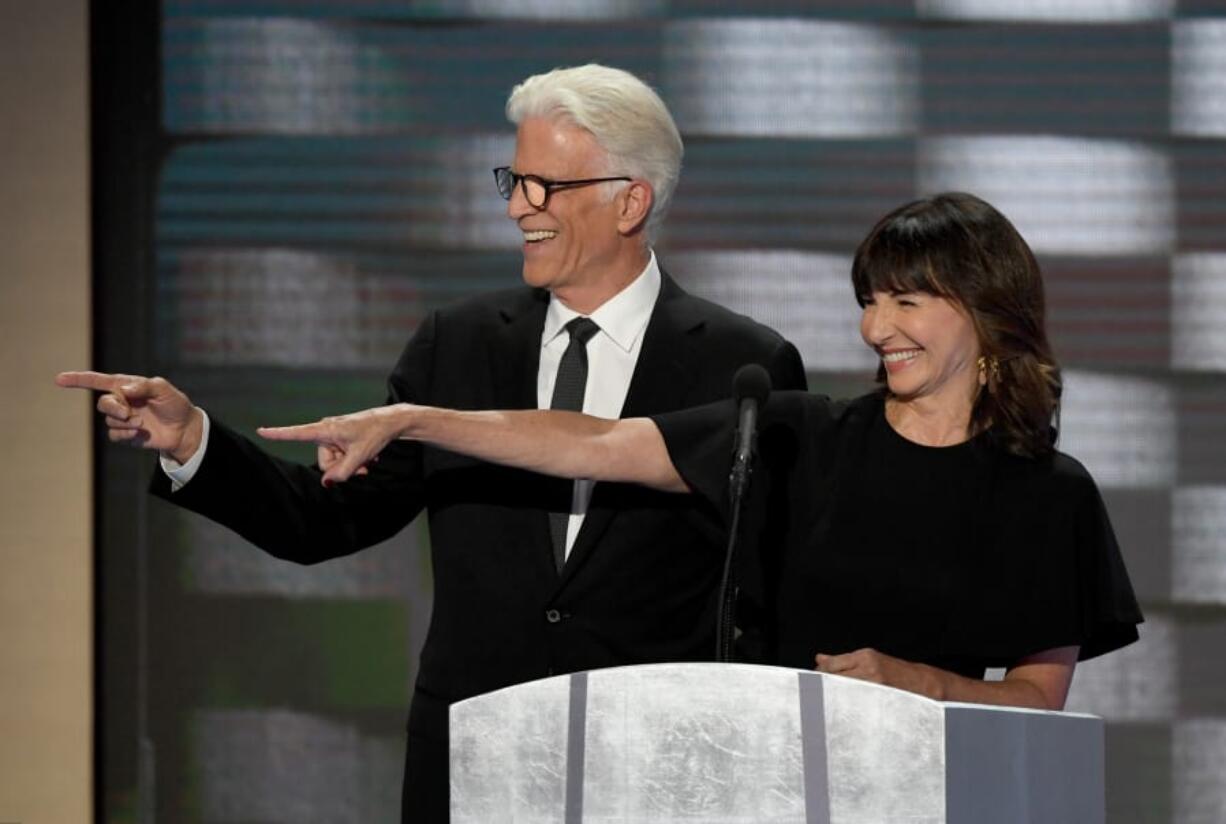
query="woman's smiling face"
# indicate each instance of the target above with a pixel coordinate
(927, 343)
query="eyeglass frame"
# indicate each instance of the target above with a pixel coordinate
(550, 186)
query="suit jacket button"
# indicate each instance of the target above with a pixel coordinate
(553, 616)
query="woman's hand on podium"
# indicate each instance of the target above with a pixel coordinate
(870, 665)
(1039, 681)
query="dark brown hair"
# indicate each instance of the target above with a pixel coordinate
(958, 247)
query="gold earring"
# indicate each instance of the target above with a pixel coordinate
(989, 367)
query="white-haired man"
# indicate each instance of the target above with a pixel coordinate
(533, 576)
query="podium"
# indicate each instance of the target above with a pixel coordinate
(742, 743)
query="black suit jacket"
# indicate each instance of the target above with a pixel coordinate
(639, 585)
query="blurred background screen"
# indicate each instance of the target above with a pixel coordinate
(289, 186)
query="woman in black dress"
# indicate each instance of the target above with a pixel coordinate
(914, 536)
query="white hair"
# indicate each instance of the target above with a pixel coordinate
(627, 118)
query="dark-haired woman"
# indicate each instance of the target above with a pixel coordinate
(915, 536)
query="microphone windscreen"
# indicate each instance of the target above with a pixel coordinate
(751, 381)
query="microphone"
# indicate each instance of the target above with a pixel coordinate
(750, 388)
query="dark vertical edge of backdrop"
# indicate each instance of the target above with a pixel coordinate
(126, 148)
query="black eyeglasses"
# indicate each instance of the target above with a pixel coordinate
(537, 189)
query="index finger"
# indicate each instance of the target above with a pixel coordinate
(99, 381)
(833, 663)
(315, 432)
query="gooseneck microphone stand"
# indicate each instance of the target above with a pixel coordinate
(750, 387)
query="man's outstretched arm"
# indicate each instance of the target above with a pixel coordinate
(276, 504)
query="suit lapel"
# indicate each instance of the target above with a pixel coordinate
(661, 378)
(660, 382)
(515, 354)
(515, 357)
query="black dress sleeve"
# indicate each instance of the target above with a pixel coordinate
(700, 443)
(1087, 597)
(1109, 610)
(1050, 573)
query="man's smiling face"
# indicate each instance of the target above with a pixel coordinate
(574, 240)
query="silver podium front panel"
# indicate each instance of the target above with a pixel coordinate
(725, 743)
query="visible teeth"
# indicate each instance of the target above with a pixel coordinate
(539, 234)
(895, 357)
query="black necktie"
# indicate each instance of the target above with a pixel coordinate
(568, 390)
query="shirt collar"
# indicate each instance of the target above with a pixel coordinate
(622, 317)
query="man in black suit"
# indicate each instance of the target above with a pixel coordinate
(533, 576)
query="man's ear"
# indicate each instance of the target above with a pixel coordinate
(633, 206)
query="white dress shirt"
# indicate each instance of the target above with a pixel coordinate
(611, 356)
(178, 473)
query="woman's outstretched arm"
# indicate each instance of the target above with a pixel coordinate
(565, 444)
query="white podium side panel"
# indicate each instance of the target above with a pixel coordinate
(1016, 766)
(1065, 769)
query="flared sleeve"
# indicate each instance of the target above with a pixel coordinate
(1048, 571)
(700, 443)
(1108, 606)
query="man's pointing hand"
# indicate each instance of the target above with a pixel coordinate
(145, 412)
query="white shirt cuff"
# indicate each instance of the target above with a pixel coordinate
(178, 473)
